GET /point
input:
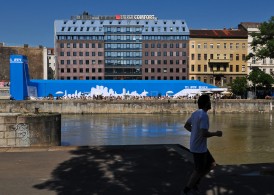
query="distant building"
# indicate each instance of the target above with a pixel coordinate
(217, 56)
(37, 62)
(128, 47)
(267, 64)
(51, 74)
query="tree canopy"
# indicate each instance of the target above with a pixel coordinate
(263, 41)
(259, 77)
(239, 86)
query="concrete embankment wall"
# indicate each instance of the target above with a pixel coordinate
(24, 130)
(133, 106)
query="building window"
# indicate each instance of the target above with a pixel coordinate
(231, 68)
(231, 57)
(243, 68)
(205, 68)
(237, 45)
(192, 68)
(237, 68)
(243, 57)
(237, 57)
(199, 68)
(205, 56)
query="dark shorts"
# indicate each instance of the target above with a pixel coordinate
(202, 161)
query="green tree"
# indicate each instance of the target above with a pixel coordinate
(239, 86)
(260, 78)
(263, 41)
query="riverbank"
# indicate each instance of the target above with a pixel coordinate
(124, 170)
(168, 106)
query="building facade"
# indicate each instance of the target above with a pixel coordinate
(36, 55)
(50, 64)
(217, 56)
(267, 64)
(121, 47)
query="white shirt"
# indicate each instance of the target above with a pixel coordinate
(198, 120)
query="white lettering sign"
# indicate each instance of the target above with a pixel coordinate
(138, 17)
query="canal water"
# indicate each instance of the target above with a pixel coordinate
(247, 138)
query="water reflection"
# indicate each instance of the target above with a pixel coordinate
(248, 138)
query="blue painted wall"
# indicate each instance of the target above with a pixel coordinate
(19, 76)
(22, 87)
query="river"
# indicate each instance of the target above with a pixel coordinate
(247, 138)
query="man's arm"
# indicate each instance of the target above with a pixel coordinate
(211, 134)
(188, 126)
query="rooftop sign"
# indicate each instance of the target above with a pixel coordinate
(135, 17)
(116, 17)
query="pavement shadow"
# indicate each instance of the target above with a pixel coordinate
(251, 179)
(146, 170)
(150, 170)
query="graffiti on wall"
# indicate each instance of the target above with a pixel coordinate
(22, 133)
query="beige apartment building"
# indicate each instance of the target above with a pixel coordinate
(217, 56)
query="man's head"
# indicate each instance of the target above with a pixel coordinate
(204, 102)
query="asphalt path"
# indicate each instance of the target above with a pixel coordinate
(129, 170)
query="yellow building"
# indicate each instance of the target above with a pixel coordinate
(217, 56)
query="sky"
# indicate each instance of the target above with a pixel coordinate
(32, 21)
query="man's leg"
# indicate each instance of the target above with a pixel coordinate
(199, 163)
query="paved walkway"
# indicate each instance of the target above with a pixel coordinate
(119, 170)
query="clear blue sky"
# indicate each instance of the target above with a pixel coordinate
(31, 21)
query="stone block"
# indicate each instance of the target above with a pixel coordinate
(2, 134)
(3, 142)
(10, 119)
(21, 119)
(22, 143)
(10, 135)
(2, 127)
(2, 119)
(11, 142)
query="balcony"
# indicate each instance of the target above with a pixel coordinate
(219, 61)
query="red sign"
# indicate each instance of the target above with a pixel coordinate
(118, 17)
